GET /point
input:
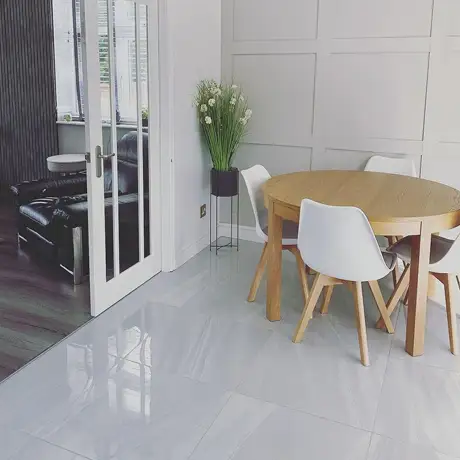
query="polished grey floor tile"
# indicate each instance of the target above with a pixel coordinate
(36, 449)
(421, 404)
(239, 419)
(137, 410)
(317, 380)
(11, 441)
(57, 383)
(382, 448)
(292, 435)
(204, 348)
(337, 329)
(185, 368)
(437, 352)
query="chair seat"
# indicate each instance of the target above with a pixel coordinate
(390, 259)
(439, 248)
(290, 233)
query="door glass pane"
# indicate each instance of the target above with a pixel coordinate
(125, 111)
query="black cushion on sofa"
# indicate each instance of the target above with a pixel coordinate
(127, 178)
(127, 164)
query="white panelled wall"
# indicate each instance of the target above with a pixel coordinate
(333, 82)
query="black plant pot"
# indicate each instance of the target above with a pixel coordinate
(224, 183)
(145, 122)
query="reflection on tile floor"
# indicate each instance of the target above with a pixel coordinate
(185, 368)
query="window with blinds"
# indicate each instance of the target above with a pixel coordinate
(69, 74)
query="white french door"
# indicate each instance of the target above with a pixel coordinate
(121, 70)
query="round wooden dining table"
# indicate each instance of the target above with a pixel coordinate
(395, 206)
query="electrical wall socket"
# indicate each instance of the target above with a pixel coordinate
(202, 211)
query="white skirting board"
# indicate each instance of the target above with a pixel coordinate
(246, 233)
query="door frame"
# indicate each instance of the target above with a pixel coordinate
(168, 222)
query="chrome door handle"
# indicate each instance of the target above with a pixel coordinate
(104, 157)
(100, 157)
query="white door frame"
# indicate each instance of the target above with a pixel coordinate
(166, 142)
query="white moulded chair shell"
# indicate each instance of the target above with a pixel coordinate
(444, 265)
(255, 178)
(339, 244)
(402, 166)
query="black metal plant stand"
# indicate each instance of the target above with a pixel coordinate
(224, 184)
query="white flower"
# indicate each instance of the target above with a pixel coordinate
(234, 86)
(211, 102)
(208, 120)
(204, 108)
(233, 101)
(248, 114)
(218, 92)
(241, 98)
(197, 103)
(243, 121)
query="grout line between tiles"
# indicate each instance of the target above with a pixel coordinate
(210, 426)
(56, 445)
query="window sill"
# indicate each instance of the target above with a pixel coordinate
(104, 125)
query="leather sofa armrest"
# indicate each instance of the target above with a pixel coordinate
(25, 192)
(73, 210)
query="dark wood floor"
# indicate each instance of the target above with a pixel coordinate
(39, 305)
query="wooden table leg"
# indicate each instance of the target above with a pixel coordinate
(418, 291)
(275, 236)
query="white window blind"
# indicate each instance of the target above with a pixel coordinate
(68, 54)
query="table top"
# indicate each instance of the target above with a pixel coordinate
(68, 162)
(384, 198)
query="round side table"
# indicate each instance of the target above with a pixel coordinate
(67, 163)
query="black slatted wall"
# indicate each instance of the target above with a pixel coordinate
(28, 131)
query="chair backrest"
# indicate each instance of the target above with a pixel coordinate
(450, 263)
(402, 166)
(255, 177)
(338, 241)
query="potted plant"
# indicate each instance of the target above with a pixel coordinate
(223, 114)
(145, 117)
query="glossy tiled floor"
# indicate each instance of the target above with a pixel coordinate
(184, 368)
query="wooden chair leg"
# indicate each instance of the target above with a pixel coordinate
(327, 299)
(395, 297)
(318, 285)
(378, 297)
(396, 274)
(451, 313)
(302, 273)
(361, 323)
(258, 275)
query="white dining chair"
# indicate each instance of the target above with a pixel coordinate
(255, 178)
(444, 265)
(339, 244)
(401, 166)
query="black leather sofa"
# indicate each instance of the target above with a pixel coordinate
(53, 213)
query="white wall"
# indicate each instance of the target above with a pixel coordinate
(331, 82)
(195, 54)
